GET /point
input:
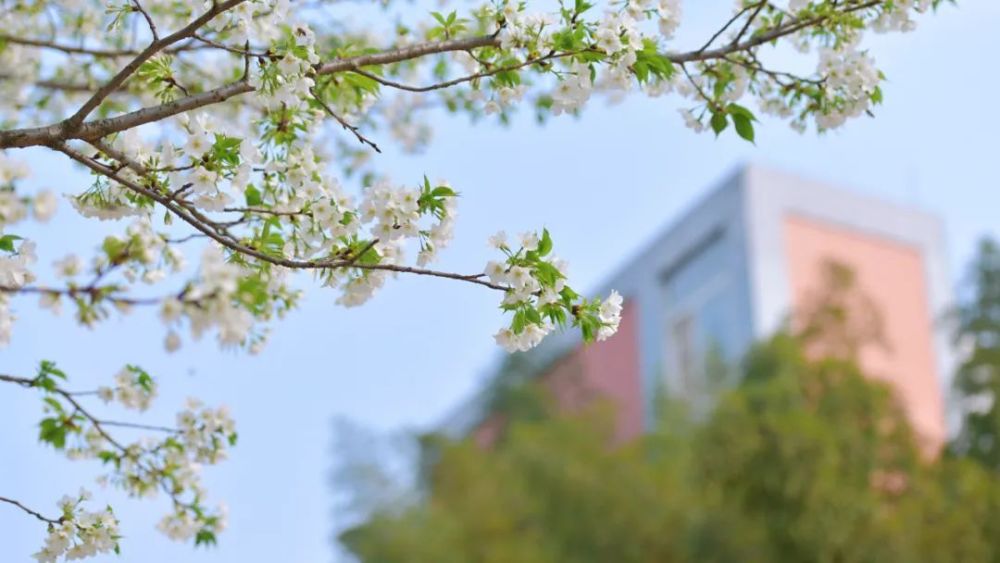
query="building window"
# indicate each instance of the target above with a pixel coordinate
(684, 352)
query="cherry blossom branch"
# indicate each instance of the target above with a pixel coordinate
(155, 47)
(757, 40)
(247, 52)
(409, 52)
(47, 135)
(438, 86)
(343, 122)
(730, 22)
(34, 513)
(97, 422)
(116, 53)
(211, 230)
(746, 25)
(701, 92)
(30, 383)
(138, 426)
(96, 294)
(264, 211)
(755, 65)
(68, 49)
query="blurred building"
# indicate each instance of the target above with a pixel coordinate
(730, 271)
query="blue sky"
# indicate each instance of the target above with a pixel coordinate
(602, 185)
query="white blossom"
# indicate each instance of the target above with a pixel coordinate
(44, 205)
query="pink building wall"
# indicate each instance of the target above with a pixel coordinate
(607, 370)
(893, 275)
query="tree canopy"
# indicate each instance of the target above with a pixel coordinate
(977, 382)
(807, 460)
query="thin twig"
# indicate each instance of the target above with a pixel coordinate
(235, 50)
(68, 49)
(94, 292)
(138, 426)
(31, 512)
(264, 211)
(469, 78)
(343, 123)
(149, 20)
(728, 23)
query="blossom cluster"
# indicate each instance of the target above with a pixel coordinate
(211, 301)
(203, 437)
(79, 533)
(14, 272)
(853, 76)
(618, 52)
(17, 255)
(148, 466)
(616, 40)
(134, 389)
(537, 295)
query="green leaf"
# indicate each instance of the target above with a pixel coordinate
(532, 315)
(744, 127)
(7, 242)
(51, 430)
(48, 367)
(443, 191)
(876, 95)
(545, 245)
(252, 195)
(736, 109)
(719, 122)
(55, 404)
(517, 325)
(204, 537)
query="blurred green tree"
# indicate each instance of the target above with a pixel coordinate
(977, 382)
(812, 462)
(803, 459)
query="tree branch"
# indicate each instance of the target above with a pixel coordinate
(96, 293)
(47, 135)
(730, 22)
(749, 22)
(149, 20)
(343, 122)
(469, 78)
(210, 229)
(31, 512)
(68, 49)
(74, 121)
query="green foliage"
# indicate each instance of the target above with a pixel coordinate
(7, 242)
(448, 25)
(158, 74)
(649, 62)
(806, 460)
(433, 200)
(742, 120)
(977, 381)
